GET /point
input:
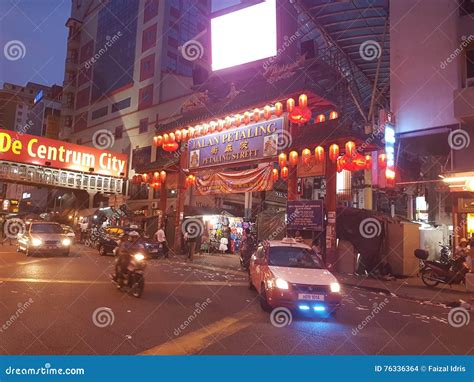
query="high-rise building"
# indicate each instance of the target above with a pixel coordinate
(124, 73)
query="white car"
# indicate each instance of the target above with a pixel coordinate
(287, 274)
(44, 237)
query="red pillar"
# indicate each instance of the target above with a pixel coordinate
(163, 202)
(331, 204)
(180, 201)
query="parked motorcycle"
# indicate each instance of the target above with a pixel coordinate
(453, 271)
(133, 281)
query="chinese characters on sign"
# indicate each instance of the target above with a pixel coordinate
(248, 143)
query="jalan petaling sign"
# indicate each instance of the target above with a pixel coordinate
(252, 142)
(29, 149)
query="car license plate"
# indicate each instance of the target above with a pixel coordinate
(313, 297)
(154, 251)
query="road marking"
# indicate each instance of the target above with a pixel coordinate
(212, 268)
(200, 339)
(65, 281)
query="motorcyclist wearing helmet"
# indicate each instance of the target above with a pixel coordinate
(128, 242)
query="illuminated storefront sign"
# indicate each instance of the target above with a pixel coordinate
(248, 143)
(389, 136)
(29, 149)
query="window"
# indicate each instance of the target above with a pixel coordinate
(99, 112)
(86, 51)
(80, 122)
(82, 99)
(145, 97)
(143, 127)
(149, 37)
(118, 132)
(138, 191)
(120, 105)
(151, 10)
(147, 67)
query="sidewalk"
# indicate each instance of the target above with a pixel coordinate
(409, 288)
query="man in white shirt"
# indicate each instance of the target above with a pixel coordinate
(161, 239)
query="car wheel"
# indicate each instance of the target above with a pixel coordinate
(102, 251)
(27, 251)
(263, 299)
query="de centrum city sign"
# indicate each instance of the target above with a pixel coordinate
(29, 149)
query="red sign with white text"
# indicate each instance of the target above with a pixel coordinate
(29, 149)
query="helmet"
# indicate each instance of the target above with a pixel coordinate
(133, 234)
(463, 241)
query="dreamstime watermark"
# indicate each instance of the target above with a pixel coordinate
(108, 44)
(280, 317)
(103, 139)
(192, 50)
(370, 50)
(287, 42)
(22, 308)
(103, 317)
(199, 308)
(376, 309)
(44, 370)
(14, 227)
(284, 140)
(370, 228)
(463, 45)
(459, 139)
(458, 317)
(14, 50)
(192, 227)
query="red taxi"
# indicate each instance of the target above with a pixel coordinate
(286, 274)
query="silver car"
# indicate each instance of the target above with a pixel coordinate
(44, 237)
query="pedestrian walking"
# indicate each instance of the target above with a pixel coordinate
(162, 242)
(190, 241)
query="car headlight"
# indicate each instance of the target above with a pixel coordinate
(335, 287)
(139, 257)
(281, 284)
(66, 242)
(35, 242)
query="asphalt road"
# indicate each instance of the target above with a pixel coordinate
(67, 305)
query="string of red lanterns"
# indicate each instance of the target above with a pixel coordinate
(298, 114)
(155, 179)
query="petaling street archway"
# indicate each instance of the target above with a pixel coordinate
(282, 140)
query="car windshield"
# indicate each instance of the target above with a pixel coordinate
(46, 228)
(293, 257)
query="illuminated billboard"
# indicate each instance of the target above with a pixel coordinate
(244, 36)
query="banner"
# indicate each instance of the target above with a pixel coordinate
(252, 142)
(30, 149)
(259, 179)
(305, 215)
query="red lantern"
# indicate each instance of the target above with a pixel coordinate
(293, 158)
(284, 173)
(184, 134)
(228, 123)
(368, 161)
(149, 178)
(333, 115)
(282, 160)
(256, 115)
(156, 177)
(290, 105)
(166, 138)
(300, 115)
(246, 117)
(191, 132)
(172, 137)
(359, 162)
(275, 174)
(134, 179)
(178, 135)
(267, 112)
(303, 101)
(158, 140)
(382, 160)
(306, 156)
(143, 178)
(350, 148)
(320, 118)
(205, 129)
(156, 185)
(319, 153)
(162, 176)
(237, 120)
(197, 130)
(172, 146)
(333, 152)
(220, 125)
(278, 109)
(212, 127)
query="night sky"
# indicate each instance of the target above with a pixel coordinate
(40, 26)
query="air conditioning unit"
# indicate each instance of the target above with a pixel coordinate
(470, 82)
(154, 205)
